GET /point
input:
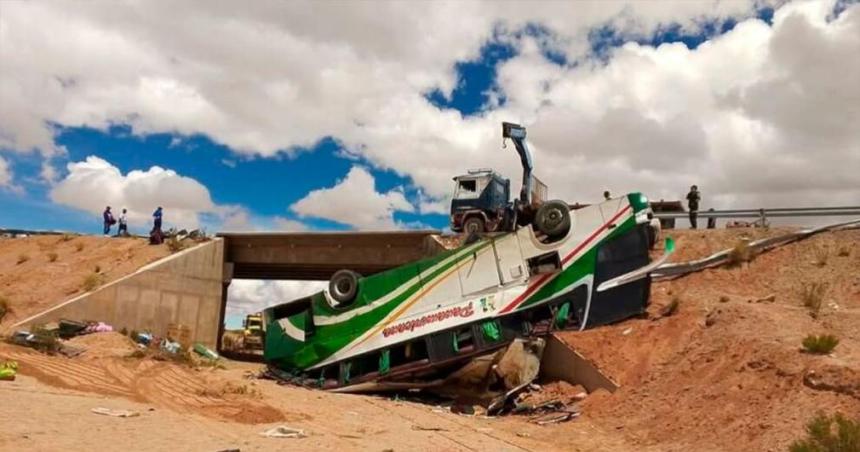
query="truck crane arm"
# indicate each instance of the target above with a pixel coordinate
(517, 134)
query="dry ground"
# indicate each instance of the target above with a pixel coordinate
(722, 373)
(31, 283)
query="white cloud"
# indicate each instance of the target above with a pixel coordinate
(94, 183)
(758, 116)
(355, 201)
(246, 296)
(5, 173)
(288, 225)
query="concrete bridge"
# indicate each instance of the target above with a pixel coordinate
(185, 294)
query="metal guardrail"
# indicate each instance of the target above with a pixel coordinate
(676, 269)
(765, 213)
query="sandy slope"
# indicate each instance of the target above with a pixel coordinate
(734, 382)
(36, 284)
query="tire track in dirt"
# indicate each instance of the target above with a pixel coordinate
(159, 383)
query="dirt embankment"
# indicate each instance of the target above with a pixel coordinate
(725, 372)
(42, 271)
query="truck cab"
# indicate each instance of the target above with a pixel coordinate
(481, 199)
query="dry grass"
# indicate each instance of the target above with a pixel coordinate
(844, 252)
(52, 257)
(822, 255)
(91, 282)
(79, 246)
(812, 295)
(23, 258)
(820, 345)
(65, 238)
(821, 436)
(174, 244)
(739, 254)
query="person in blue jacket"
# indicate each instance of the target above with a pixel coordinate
(156, 219)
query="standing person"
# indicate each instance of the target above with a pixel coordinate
(693, 199)
(606, 196)
(123, 224)
(156, 237)
(156, 222)
(107, 216)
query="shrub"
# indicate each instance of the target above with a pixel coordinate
(671, 308)
(822, 437)
(23, 258)
(66, 238)
(4, 307)
(844, 251)
(822, 254)
(79, 246)
(812, 295)
(724, 299)
(52, 257)
(820, 345)
(91, 282)
(174, 244)
(739, 254)
(97, 268)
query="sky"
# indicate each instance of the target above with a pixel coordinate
(356, 115)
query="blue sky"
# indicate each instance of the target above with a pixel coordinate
(266, 186)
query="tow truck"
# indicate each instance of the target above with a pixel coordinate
(552, 269)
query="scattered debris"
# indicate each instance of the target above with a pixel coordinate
(768, 299)
(202, 350)
(282, 431)
(8, 369)
(170, 347)
(115, 413)
(555, 418)
(429, 429)
(838, 379)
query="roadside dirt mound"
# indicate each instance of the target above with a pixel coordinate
(160, 383)
(42, 271)
(103, 345)
(725, 371)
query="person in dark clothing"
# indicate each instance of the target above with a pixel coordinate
(693, 199)
(109, 221)
(156, 219)
(156, 237)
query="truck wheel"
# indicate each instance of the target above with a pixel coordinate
(343, 287)
(553, 218)
(473, 225)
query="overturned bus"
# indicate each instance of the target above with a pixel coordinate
(421, 320)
